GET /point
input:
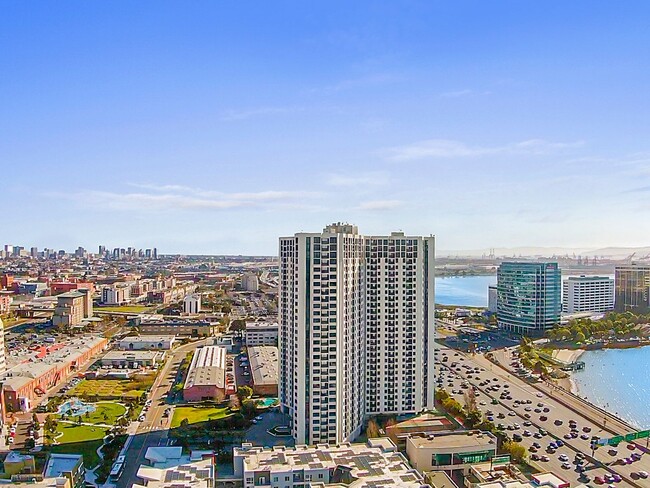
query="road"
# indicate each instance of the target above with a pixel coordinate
(491, 381)
(154, 430)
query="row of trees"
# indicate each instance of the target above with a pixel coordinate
(615, 325)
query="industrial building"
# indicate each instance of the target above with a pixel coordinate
(176, 327)
(45, 368)
(206, 377)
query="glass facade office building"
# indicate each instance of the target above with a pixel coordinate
(632, 289)
(528, 297)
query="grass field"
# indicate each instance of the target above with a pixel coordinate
(195, 415)
(109, 409)
(110, 388)
(126, 309)
(80, 439)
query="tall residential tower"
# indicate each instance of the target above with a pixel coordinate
(356, 317)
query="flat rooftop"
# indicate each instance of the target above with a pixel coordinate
(198, 474)
(454, 441)
(32, 363)
(376, 463)
(61, 463)
(132, 355)
(264, 364)
(261, 326)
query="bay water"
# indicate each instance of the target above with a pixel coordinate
(617, 380)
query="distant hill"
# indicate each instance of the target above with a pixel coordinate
(608, 252)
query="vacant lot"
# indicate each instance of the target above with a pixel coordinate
(113, 388)
(195, 415)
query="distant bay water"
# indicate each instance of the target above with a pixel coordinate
(466, 291)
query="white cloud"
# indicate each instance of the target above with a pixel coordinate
(375, 178)
(244, 114)
(444, 148)
(380, 205)
(175, 197)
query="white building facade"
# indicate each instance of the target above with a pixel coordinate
(261, 334)
(192, 304)
(116, 295)
(588, 294)
(492, 298)
(356, 318)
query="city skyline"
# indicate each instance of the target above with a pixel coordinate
(214, 129)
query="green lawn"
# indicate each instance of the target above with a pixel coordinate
(195, 415)
(126, 309)
(110, 409)
(110, 388)
(80, 439)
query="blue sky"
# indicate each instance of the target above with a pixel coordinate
(215, 127)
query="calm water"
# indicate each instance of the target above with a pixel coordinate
(468, 291)
(618, 380)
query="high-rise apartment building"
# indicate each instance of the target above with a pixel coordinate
(632, 292)
(528, 297)
(587, 294)
(356, 318)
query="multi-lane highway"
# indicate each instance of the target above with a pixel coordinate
(523, 409)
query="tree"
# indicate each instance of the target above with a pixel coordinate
(185, 423)
(580, 337)
(79, 420)
(372, 429)
(244, 392)
(517, 451)
(473, 418)
(50, 424)
(249, 409)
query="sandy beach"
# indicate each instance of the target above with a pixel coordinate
(568, 356)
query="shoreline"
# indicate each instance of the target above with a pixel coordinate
(568, 356)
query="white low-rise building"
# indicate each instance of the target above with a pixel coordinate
(261, 334)
(376, 463)
(192, 304)
(140, 343)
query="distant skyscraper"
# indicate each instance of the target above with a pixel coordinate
(34, 252)
(588, 294)
(492, 298)
(155, 253)
(102, 250)
(528, 297)
(250, 282)
(632, 291)
(356, 317)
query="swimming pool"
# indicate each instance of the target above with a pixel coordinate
(74, 406)
(267, 402)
